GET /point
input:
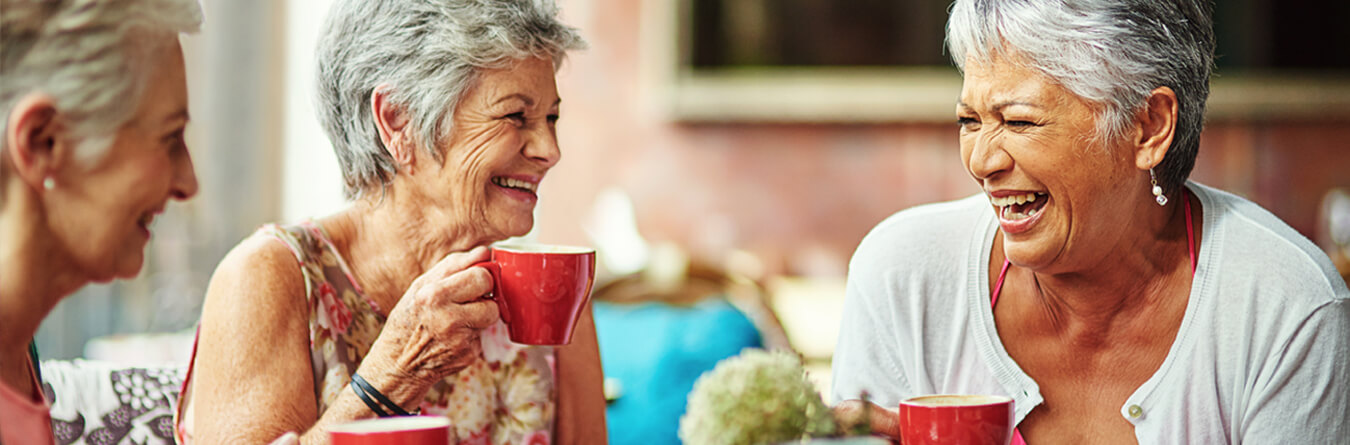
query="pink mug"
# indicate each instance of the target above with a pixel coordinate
(412, 430)
(956, 419)
(541, 290)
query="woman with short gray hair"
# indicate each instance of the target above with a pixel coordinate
(1110, 298)
(442, 114)
(95, 104)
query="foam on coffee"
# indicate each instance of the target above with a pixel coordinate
(542, 248)
(955, 400)
(392, 424)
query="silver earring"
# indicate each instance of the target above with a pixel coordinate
(1157, 190)
(49, 183)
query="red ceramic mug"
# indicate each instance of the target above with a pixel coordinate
(956, 419)
(541, 290)
(413, 430)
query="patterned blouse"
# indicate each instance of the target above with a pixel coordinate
(505, 397)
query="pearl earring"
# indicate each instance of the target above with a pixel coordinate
(1157, 190)
(48, 183)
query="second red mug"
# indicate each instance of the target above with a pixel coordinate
(956, 419)
(414, 430)
(541, 290)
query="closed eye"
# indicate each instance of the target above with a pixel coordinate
(174, 139)
(518, 117)
(1020, 124)
(968, 123)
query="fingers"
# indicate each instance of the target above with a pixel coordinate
(458, 261)
(466, 285)
(852, 414)
(479, 314)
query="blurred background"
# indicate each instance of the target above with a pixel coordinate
(726, 150)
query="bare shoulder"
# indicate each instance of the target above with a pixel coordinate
(260, 277)
(254, 329)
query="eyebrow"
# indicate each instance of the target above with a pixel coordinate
(529, 102)
(1001, 105)
(180, 114)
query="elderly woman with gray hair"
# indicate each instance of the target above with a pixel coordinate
(442, 114)
(1113, 300)
(95, 103)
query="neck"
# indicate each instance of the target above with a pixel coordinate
(1143, 270)
(35, 274)
(389, 242)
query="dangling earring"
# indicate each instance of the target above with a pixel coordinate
(1157, 190)
(48, 183)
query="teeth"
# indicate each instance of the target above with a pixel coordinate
(1011, 215)
(1015, 199)
(514, 183)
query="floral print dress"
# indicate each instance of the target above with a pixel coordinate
(505, 397)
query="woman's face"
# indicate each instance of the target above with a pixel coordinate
(1061, 199)
(502, 144)
(102, 209)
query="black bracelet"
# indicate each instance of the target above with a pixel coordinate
(366, 398)
(365, 391)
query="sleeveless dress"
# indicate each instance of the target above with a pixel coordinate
(507, 396)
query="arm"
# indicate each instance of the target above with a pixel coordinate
(1306, 398)
(254, 379)
(581, 399)
(865, 358)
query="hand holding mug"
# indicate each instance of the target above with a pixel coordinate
(434, 329)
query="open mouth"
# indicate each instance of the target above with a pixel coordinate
(1019, 207)
(515, 184)
(145, 220)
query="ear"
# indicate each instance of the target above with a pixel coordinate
(34, 139)
(1157, 124)
(392, 122)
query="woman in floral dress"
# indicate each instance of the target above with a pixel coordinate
(442, 116)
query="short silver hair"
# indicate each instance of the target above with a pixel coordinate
(428, 52)
(91, 56)
(1110, 52)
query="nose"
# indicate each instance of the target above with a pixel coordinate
(184, 184)
(542, 145)
(986, 157)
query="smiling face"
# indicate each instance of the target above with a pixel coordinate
(1061, 197)
(102, 209)
(503, 141)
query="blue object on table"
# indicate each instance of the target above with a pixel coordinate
(656, 351)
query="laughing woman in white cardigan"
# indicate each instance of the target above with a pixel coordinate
(1110, 298)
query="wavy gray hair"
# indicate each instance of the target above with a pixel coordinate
(428, 52)
(1112, 52)
(91, 56)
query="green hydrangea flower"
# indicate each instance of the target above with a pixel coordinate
(757, 397)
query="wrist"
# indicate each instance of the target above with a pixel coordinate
(403, 389)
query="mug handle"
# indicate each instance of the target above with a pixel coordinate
(496, 271)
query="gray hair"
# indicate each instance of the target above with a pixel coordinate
(1111, 52)
(428, 52)
(90, 56)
